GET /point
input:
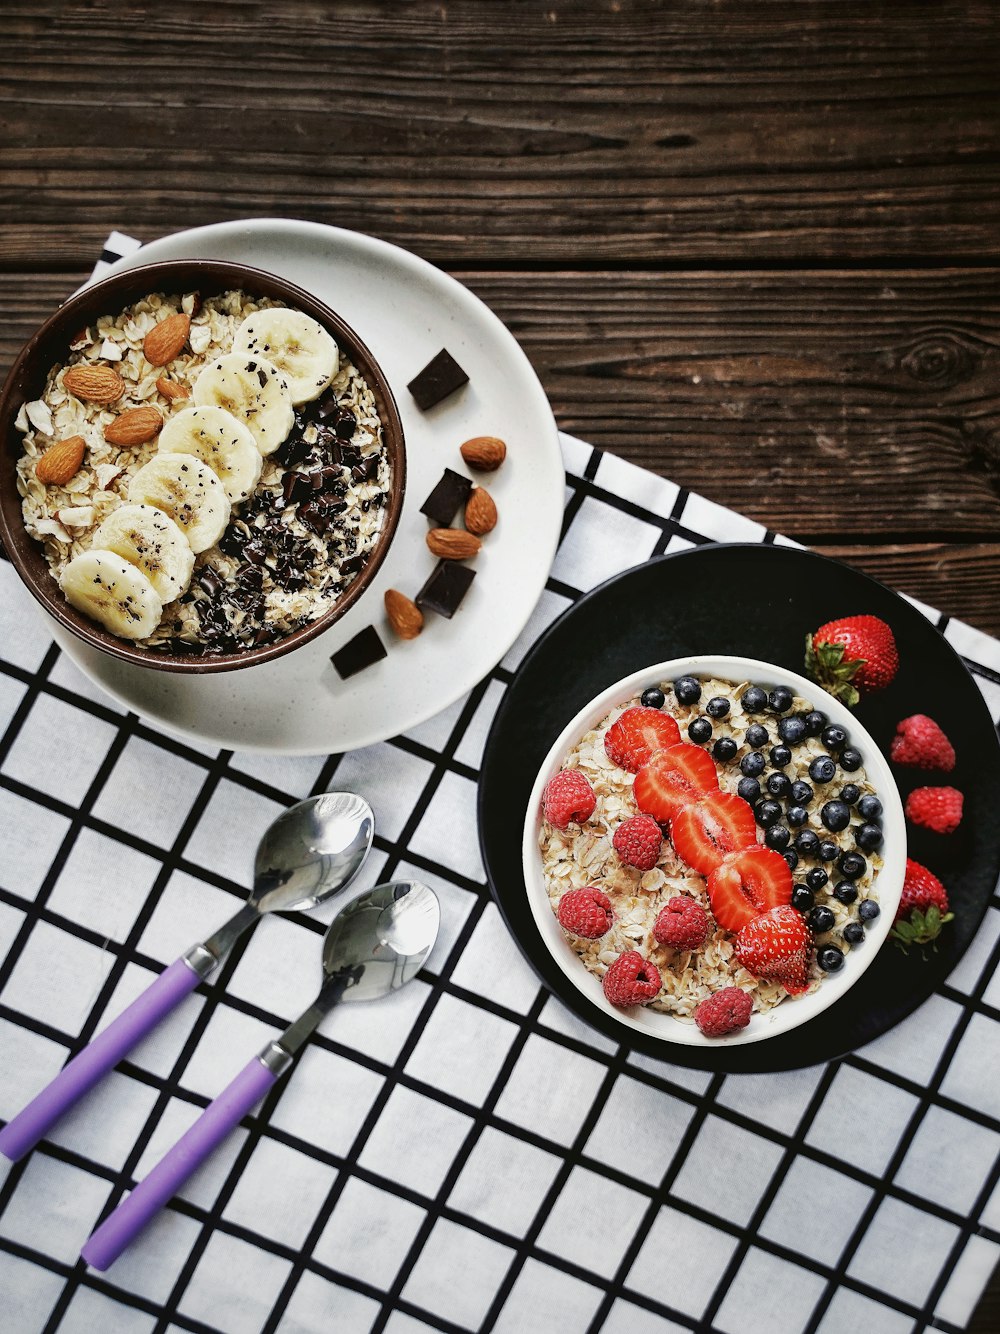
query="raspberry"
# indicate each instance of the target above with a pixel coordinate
(568, 796)
(638, 841)
(936, 808)
(682, 923)
(920, 741)
(586, 912)
(631, 980)
(724, 1012)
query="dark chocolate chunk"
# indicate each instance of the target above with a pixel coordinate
(358, 653)
(295, 486)
(447, 498)
(353, 564)
(210, 581)
(437, 380)
(327, 406)
(445, 588)
(346, 424)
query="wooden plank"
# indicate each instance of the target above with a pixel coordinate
(474, 133)
(859, 413)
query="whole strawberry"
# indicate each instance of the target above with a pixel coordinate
(682, 923)
(923, 907)
(725, 1011)
(777, 945)
(631, 980)
(851, 656)
(920, 742)
(586, 912)
(568, 796)
(638, 841)
(936, 808)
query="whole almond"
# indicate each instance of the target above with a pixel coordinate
(61, 461)
(480, 512)
(453, 543)
(404, 615)
(133, 427)
(165, 340)
(94, 384)
(484, 453)
(172, 389)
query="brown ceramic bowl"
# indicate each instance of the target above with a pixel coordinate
(50, 345)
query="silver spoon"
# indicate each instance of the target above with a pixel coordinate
(376, 945)
(311, 852)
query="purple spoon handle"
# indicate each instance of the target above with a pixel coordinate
(120, 1228)
(97, 1058)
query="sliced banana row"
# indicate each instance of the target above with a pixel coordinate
(209, 458)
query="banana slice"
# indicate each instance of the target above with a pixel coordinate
(300, 348)
(109, 589)
(150, 539)
(219, 439)
(189, 491)
(252, 389)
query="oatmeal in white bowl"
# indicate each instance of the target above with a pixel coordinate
(714, 850)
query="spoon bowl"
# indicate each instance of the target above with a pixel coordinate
(311, 851)
(383, 939)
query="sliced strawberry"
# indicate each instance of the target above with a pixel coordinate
(777, 945)
(747, 884)
(637, 735)
(705, 830)
(674, 778)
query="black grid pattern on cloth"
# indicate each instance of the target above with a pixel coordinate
(553, 1182)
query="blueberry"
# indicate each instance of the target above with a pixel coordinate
(854, 933)
(822, 769)
(850, 793)
(780, 699)
(767, 813)
(850, 759)
(653, 698)
(821, 919)
(777, 837)
(816, 878)
(687, 690)
(780, 756)
(700, 730)
(791, 857)
(717, 707)
(753, 764)
(868, 910)
(725, 748)
(870, 808)
(748, 789)
(836, 815)
(845, 891)
(802, 898)
(792, 730)
(868, 837)
(834, 737)
(807, 843)
(757, 736)
(779, 785)
(852, 865)
(828, 849)
(796, 815)
(753, 699)
(802, 792)
(830, 958)
(815, 722)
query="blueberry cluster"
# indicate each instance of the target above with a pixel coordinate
(782, 806)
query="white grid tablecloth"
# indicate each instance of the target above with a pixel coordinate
(466, 1155)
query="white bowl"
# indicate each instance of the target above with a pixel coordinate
(794, 1010)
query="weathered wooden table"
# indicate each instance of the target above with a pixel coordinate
(751, 248)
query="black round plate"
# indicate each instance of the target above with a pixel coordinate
(756, 601)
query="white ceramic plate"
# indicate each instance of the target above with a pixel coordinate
(406, 311)
(794, 1010)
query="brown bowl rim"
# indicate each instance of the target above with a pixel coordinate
(50, 344)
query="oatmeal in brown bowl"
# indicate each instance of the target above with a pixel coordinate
(202, 466)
